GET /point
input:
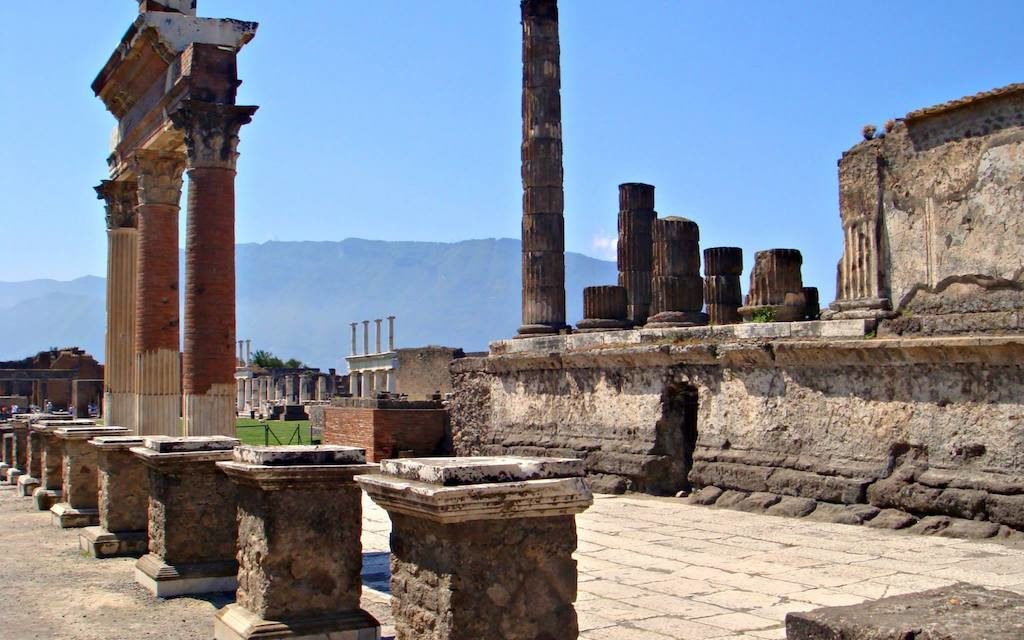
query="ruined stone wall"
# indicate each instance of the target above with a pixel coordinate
(818, 420)
(424, 371)
(383, 433)
(932, 213)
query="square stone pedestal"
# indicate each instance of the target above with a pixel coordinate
(80, 497)
(17, 442)
(192, 516)
(482, 547)
(6, 447)
(123, 501)
(51, 459)
(300, 555)
(28, 483)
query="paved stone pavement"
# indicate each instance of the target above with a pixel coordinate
(655, 568)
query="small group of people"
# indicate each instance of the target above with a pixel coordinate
(8, 411)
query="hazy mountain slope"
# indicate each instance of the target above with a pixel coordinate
(297, 299)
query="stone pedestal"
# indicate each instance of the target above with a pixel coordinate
(604, 309)
(79, 500)
(297, 578)
(28, 483)
(635, 249)
(482, 547)
(192, 519)
(677, 290)
(19, 451)
(776, 287)
(51, 460)
(123, 500)
(7, 453)
(723, 267)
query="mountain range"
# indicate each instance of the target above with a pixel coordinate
(297, 299)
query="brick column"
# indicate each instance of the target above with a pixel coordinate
(211, 136)
(722, 269)
(157, 358)
(285, 495)
(677, 290)
(121, 198)
(543, 199)
(635, 248)
(482, 547)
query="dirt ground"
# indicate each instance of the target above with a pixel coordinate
(53, 591)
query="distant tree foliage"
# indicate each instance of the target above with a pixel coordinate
(267, 360)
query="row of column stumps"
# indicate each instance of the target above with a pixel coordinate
(507, 548)
(366, 336)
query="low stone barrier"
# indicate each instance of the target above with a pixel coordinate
(482, 547)
(192, 525)
(299, 549)
(958, 612)
(123, 500)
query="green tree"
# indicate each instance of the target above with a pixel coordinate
(293, 363)
(266, 360)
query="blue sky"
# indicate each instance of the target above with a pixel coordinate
(399, 120)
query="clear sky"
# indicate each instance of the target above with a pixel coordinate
(399, 120)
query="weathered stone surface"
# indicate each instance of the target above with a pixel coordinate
(839, 514)
(731, 498)
(171, 444)
(792, 507)
(776, 286)
(892, 519)
(960, 612)
(123, 500)
(706, 495)
(300, 455)
(758, 502)
(456, 471)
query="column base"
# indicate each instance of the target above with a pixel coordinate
(529, 330)
(100, 543)
(27, 486)
(235, 622)
(67, 517)
(210, 414)
(46, 498)
(592, 325)
(158, 415)
(13, 474)
(166, 581)
(669, 319)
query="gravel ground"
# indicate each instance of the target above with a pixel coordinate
(54, 591)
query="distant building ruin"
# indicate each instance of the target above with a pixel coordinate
(67, 378)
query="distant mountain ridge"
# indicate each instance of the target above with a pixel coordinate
(296, 299)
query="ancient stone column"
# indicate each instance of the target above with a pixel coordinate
(353, 384)
(289, 389)
(635, 248)
(378, 322)
(304, 388)
(604, 309)
(813, 309)
(391, 333)
(354, 337)
(677, 290)
(80, 497)
(280, 388)
(211, 137)
(366, 337)
(776, 288)
(157, 359)
(484, 548)
(192, 517)
(122, 502)
(239, 395)
(121, 198)
(321, 389)
(285, 494)
(543, 231)
(722, 269)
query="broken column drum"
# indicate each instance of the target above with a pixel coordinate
(677, 290)
(211, 137)
(776, 288)
(604, 309)
(80, 496)
(120, 197)
(635, 248)
(723, 267)
(482, 547)
(192, 525)
(296, 576)
(123, 500)
(157, 360)
(543, 226)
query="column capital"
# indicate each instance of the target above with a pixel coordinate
(211, 132)
(120, 198)
(159, 175)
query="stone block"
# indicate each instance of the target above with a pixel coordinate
(958, 612)
(793, 507)
(758, 502)
(892, 519)
(493, 559)
(80, 506)
(455, 471)
(806, 484)
(123, 500)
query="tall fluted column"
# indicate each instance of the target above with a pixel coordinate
(211, 136)
(677, 290)
(543, 202)
(157, 356)
(354, 350)
(391, 333)
(366, 337)
(121, 198)
(722, 269)
(635, 248)
(378, 321)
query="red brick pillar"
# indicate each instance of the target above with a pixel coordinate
(119, 400)
(543, 202)
(211, 136)
(157, 359)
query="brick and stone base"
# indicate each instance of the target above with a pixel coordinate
(192, 521)
(482, 547)
(79, 505)
(123, 501)
(296, 577)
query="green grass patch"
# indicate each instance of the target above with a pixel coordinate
(254, 432)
